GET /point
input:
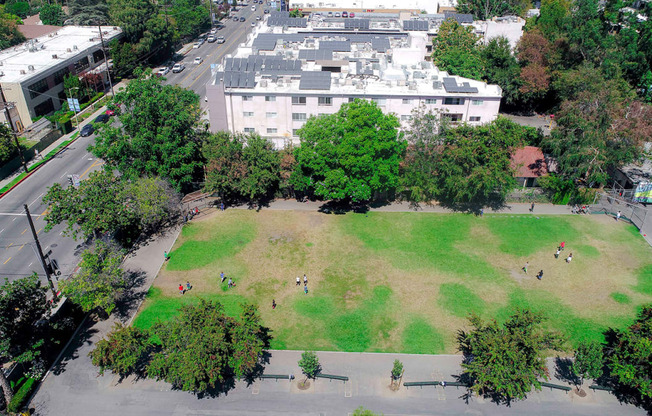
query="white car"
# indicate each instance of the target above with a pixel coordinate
(211, 39)
(178, 67)
(198, 43)
(162, 71)
(198, 60)
(213, 31)
(253, 8)
(258, 18)
(220, 39)
(253, 24)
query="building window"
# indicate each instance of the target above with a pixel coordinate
(453, 101)
(247, 98)
(249, 130)
(247, 113)
(98, 56)
(351, 99)
(299, 117)
(380, 101)
(407, 101)
(59, 75)
(477, 102)
(474, 118)
(406, 117)
(298, 100)
(81, 65)
(325, 101)
(46, 107)
(431, 101)
(270, 98)
(38, 88)
(295, 132)
(272, 131)
(271, 115)
(453, 117)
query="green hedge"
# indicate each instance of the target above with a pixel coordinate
(22, 395)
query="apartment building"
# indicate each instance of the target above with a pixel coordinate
(284, 75)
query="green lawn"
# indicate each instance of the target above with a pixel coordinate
(405, 282)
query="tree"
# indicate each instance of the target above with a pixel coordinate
(9, 33)
(158, 133)
(23, 309)
(296, 13)
(488, 9)
(153, 201)
(588, 361)
(553, 18)
(7, 143)
(87, 12)
(195, 349)
(100, 281)
(397, 370)
(474, 166)
(350, 155)
(124, 351)
(98, 206)
(629, 354)
(190, 17)
(125, 60)
(249, 341)
(361, 411)
(456, 50)
(309, 365)
(287, 165)
(533, 52)
(131, 16)
(502, 68)
(18, 8)
(51, 14)
(240, 165)
(506, 360)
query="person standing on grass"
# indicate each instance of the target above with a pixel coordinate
(569, 258)
(562, 245)
(298, 281)
(540, 274)
(481, 212)
(618, 215)
(305, 280)
(180, 288)
(230, 282)
(188, 287)
(557, 253)
(273, 303)
(527, 263)
(222, 277)
(305, 289)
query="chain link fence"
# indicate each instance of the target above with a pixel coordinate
(615, 200)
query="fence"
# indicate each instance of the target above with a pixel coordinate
(613, 201)
(14, 164)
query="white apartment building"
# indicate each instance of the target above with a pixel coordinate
(281, 77)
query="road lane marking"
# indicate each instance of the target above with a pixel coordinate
(46, 211)
(21, 247)
(7, 260)
(23, 231)
(17, 215)
(30, 264)
(11, 244)
(63, 175)
(37, 198)
(96, 163)
(2, 231)
(39, 230)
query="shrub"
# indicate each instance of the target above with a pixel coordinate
(22, 395)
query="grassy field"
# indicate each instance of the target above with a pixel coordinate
(405, 282)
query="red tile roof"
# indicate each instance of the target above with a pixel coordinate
(529, 162)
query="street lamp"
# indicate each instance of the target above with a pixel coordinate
(72, 100)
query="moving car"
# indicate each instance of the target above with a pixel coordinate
(259, 18)
(102, 118)
(198, 43)
(266, 11)
(198, 60)
(253, 8)
(242, 19)
(213, 31)
(211, 39)
(87, 130)
(235, 18)
(220, 39)
(253, 24)
(162, 71)
(178, 67)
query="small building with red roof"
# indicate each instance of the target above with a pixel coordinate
(529, 164)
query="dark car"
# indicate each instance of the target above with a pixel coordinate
(235, 18)
(242, 19)
(87, 130)
(345, 14)
(102, 118)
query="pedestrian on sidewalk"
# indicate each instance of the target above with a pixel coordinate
(188, 287)
(298, 281)
(532, 207)
(181, 291)
(305, 289)
(569, 258)
(540, 274)
(166, 256)
(222, 277)
(305, 280)
(557, 253)
(527, 263)
(273, 303)
(618, 215)
(221, 206)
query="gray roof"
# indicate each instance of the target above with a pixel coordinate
(450, 85)
(461, 18)
(356, 24)
(380, 44)
(264, 64)
(235, 79)
(415, 25)
(315, 54)
(287, 21)
(276, 13)
(336, 45)
(315, 80)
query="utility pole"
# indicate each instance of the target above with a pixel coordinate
(40, 253)
(73, 103)
(20, 152)
(106, 61)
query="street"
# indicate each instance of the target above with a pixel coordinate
(18, 256)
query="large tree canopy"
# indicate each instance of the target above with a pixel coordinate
(455, 50)
(349, 155)
(487, 9)
(159, 133)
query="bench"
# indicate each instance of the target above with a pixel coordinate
(555, 386)
(278, 376)
(598, 387)
(332, 377)
(434, 383)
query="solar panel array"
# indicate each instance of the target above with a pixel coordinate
(380, 44)
(264, 43)
(278, 13)
(239, 79)
(336, 45)
(450, 85)
(315, 54)
(415, 25)
(356, 24)
(315, 80)
(263, 64)
(287, 21)
(460, 17)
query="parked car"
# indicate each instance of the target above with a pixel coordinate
(330, 14)
(102, 118)
(198, 43)
(345, 14)
(337, 14)
(266, 11)
(253, 8)
(352, 14)
(235, 18)
(162, 71)
(87, 130)
(198, 60)
(242, 19)
(220, 39)
(178, 67)
(211, 39)
(259, 18)
(213, 31)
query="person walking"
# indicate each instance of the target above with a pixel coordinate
(569, 258)
(562, 245)
(181, 288)
(481, 212)
(221, 206)
(532, 207)
(230, 282)
(618, 214)
(188, 287)
(557, 253)
(298, 281)
(166, 256)
(222, 277)
(305, 280)
(305, 289)
(540, 274)
(527, 263)
(273, 303)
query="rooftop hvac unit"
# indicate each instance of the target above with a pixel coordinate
(22, 72)
(115, 27)
(30, 67)
(74, 47)
(68, 50)
(360, 85)
(1, 63)
(400, 83)
(279, 82)
(42, 46)
(436, 85)
(263, 83)
(55, 57)
(336, 81)
(389, 84)
(413, 85)
(91, 39)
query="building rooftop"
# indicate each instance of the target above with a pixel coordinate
(529, 162)
(27, 60)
